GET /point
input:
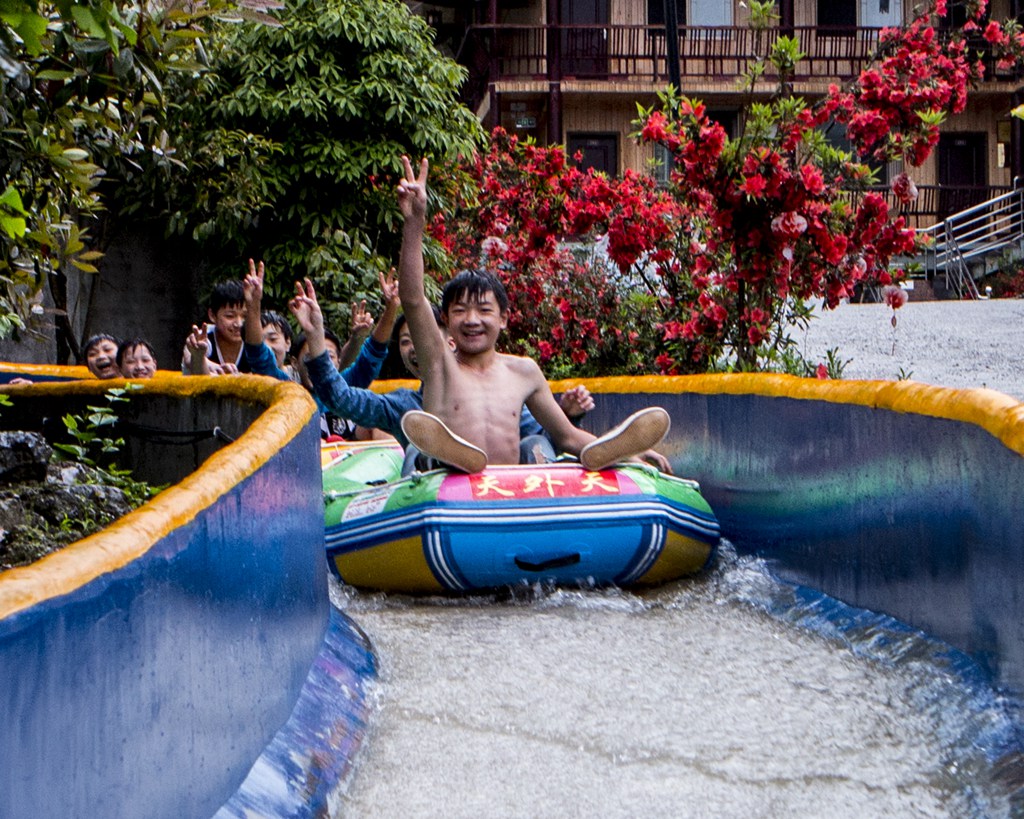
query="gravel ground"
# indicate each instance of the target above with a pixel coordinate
(949, 343)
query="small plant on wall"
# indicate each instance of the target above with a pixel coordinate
(51, 497)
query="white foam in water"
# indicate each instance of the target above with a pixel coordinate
(687, 701)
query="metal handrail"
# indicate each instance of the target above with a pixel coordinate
(975, 233)
(958, 274)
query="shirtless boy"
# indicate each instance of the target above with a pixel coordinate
(473, 396)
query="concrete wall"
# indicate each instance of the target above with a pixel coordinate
(896, 497)
(146, 287)
(186, 658)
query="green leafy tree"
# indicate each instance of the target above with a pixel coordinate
(292, 145)
(81, 99)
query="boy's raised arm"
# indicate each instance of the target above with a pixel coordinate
(252, 286)
(392, 304)
(359, 329)
(412, 201)
(306, 310)
(196, 351)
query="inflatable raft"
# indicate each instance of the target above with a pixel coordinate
(443, 532)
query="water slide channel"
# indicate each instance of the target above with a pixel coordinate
(707, 697)
(854, 650)
(736, 693)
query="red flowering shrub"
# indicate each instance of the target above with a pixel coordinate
(776, 217)
(574, 306)
(711, 273)
(763, 225)
(1007, 283)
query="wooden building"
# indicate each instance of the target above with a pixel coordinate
(572, 72)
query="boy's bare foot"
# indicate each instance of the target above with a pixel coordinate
(431, 437)
(643, 430)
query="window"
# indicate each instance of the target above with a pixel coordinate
(656, 13)
(662, 164)
(599, 151)
(837, 14)
(884, 171)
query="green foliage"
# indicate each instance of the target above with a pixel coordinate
(785, 54)
(92, 432)
(791, 361)
(292, 146)
(86, 429)
(82, 99)
(763, 14)
(834, 365)
(39, 523)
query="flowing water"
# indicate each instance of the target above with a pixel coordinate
(706, 697)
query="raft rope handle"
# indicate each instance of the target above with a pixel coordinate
(545, 565)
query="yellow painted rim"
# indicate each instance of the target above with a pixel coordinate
(289, 409)
(997, 413)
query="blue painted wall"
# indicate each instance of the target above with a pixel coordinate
(152, 688)
(898, 498)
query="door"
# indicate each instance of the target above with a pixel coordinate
(599, 151)
(584, 50)
(963, 171)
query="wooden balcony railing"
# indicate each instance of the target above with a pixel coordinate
(618, 52)
(935, 203)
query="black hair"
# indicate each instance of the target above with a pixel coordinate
(400, 322)
(226, 294)
(96, 339)
(300, 340)
(393, 366)
(131, 344)
(279, 321)
(472, 284)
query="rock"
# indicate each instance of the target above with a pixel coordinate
(24, 456)
(40, 516)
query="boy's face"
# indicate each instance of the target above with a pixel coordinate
(300, 363)
(276, 341)
(228, 321)
(407, 351)
(101, 359)
(474, 324)
(138, 362)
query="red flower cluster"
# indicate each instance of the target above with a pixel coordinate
(533, 222)
(757, 231)
(890, 113)
(712, 269)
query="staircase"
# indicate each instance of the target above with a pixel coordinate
(968, 244)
